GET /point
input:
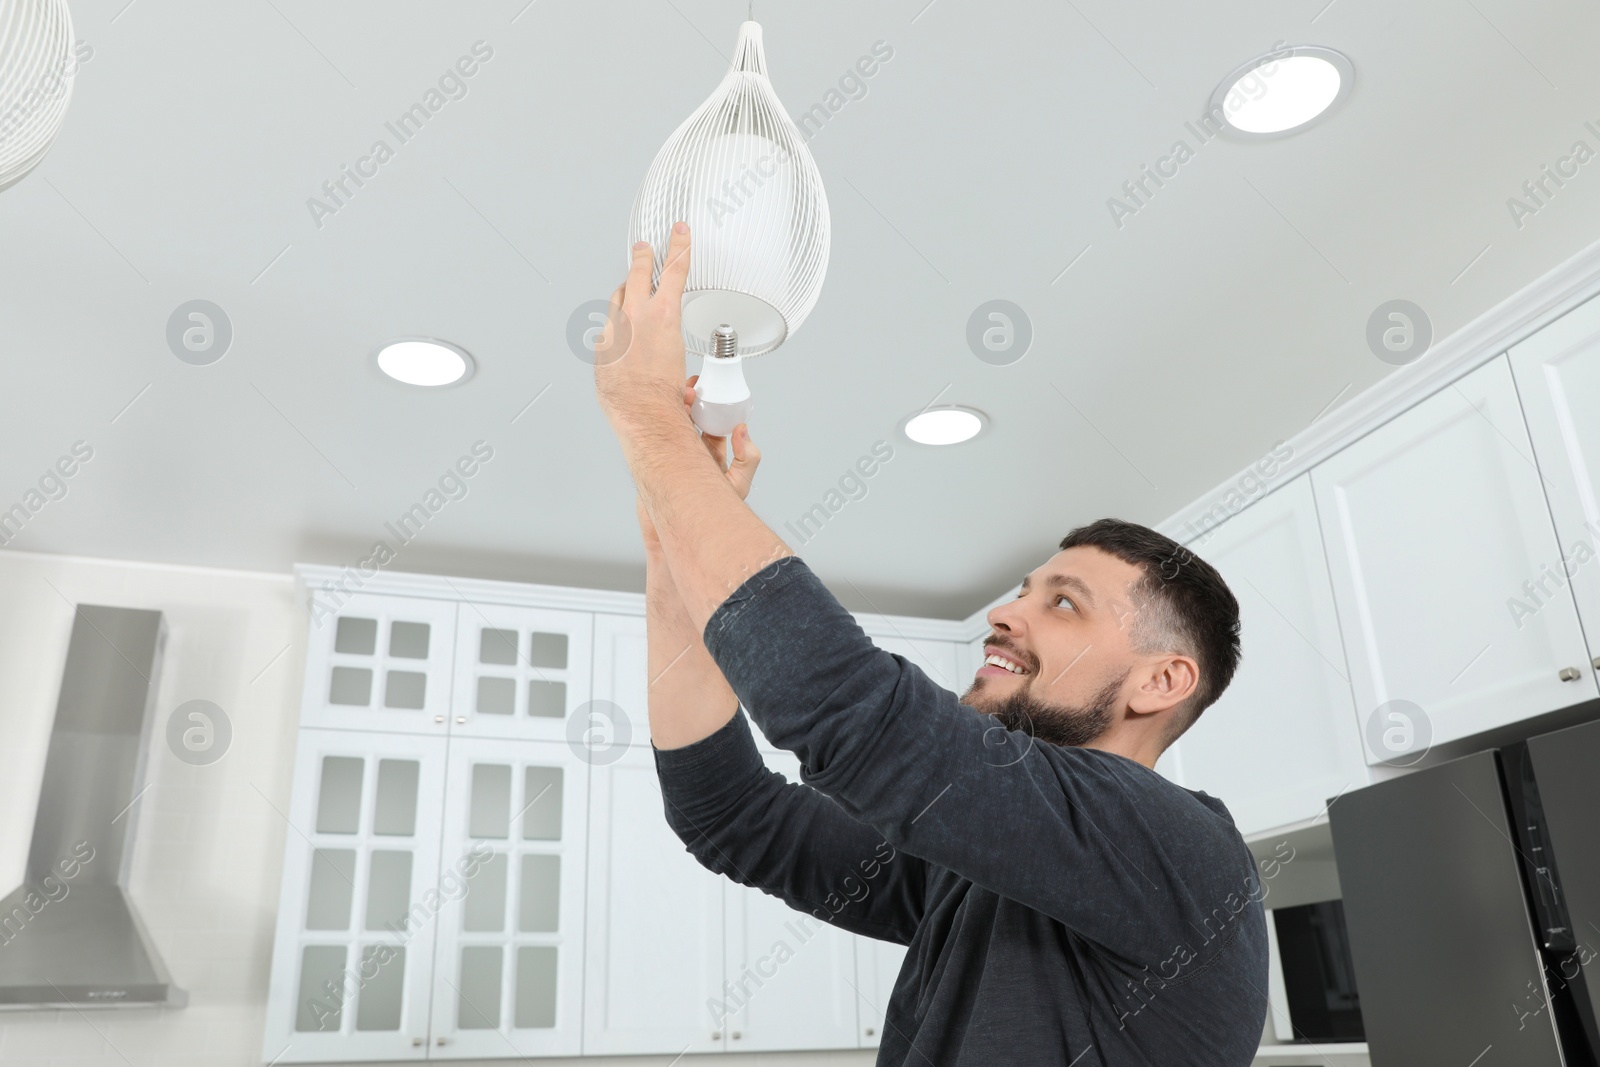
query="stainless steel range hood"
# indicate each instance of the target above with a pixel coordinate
(69, 935)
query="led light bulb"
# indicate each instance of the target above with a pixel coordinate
(721, 397)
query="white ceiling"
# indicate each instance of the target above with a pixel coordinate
(1220, 319)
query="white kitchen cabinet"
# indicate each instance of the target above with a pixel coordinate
(878, 964)
(1558, 376)
(354, 948)
(379, 663)
(655, 928)
(941, 661)
(520, 671)
(508, 969)
(787, 974)
(1432, 522)
(1283, 738)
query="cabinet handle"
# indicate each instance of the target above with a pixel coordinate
(461, 718)
(438, 718)
(416, 1042)
(870, 1031)
(1570, 674)
(735, 1035)
(716, 1035)
(441, 1041)
(1597, 663)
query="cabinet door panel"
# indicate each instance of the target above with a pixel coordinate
(508, 972)
(1558, 377)
(654, 946)
(1283, 738)
(520, 672)
(378, 663)
(789, 981)
(1433, 522)
(354, 945)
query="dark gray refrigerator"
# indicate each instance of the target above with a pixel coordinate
(1472, 897)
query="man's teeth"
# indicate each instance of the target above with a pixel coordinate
(1001, 661)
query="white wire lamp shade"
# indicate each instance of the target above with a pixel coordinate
(35, 82)
(739, 173)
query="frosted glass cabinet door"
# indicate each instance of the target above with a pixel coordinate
(654, 948)
(354, 946)
(520, 672)
(1558, 376)
(1432, 523)
(508, 971)
(1283, 738)
(878, 964)
(788, 976)
(379, 663)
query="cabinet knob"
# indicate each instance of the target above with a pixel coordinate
(438, 718)
(441, 1041)
(716, 1035)
(1597, 663)
(1570, 674)
(870, 1031)
(416, 1042)
(735, 1035)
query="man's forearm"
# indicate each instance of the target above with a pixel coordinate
(688, 697)
(711, 540)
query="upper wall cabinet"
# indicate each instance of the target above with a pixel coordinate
(1558, 376)
(654, 950)
(508, 967)
(381, 663)
(788, 975)
(520, 672)
(354, 950)
(1282, 740)
(1432, 523)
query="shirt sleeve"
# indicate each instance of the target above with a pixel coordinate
(744, 820)
(1098, 842)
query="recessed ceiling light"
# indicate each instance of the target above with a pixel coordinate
(424, 361)
(944, 425)
(1282, 92)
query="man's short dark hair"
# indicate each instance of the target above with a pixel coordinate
(1181, 604)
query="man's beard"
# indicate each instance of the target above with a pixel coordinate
(1059, 724)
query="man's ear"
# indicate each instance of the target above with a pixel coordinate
(1164, 683)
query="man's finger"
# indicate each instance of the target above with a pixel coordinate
(639, 274)
(746, 458)
(675, 272)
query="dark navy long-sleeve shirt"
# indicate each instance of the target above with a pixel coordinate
(1062, 905)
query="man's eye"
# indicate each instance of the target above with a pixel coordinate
(1063, 597)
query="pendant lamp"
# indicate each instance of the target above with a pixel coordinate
(36, 68)
(739, 173)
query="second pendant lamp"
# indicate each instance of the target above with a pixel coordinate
(739, 173)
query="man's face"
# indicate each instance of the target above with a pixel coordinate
(1059, 656)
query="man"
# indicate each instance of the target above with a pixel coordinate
(1063, 904)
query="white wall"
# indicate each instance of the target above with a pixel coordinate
(210, 839)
